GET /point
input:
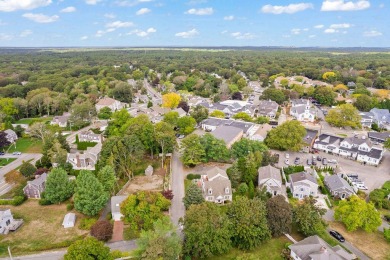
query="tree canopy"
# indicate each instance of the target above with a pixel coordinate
(58, 186)
(343, 116)
(287, 136)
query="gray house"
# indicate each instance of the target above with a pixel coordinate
(271, 179)
(338, 187)
(34, 188)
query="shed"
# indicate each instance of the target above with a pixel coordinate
(149, 171)
(69, 220)
(116, 207)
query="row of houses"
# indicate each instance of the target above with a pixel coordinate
(359, 149)
(381, 117)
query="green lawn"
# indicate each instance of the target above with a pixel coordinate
(30, 121)
(26, 145)
(270, 250)
(5, 161)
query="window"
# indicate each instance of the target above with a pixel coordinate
(210, 191)
(8, 222)
(227, 190)
(301, 189)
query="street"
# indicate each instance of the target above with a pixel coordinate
(57, 255)
(177, 209)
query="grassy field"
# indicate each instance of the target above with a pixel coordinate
(5, 161)
(270, 250)
(27, 145)
(30, 121)
(42, 229)
(372, 244)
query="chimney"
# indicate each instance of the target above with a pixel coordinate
(78, 160)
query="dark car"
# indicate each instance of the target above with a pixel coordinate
(337, 235)
(319, 158)
(2, 153)
(297, 160)
(314, 163)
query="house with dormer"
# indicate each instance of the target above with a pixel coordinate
(111, 103)
(85, 160)
(328, 143)
(270, 178)
(34, 188)
(302, 110)
(302, 185)
(367, 118)
(216, 186)
(267, 108)
(381, 117)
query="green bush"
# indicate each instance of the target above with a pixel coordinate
(193, 176)
(87, 223)
(293, 169)
(85, 145)
(69, 206)
(44, 202)
(18, 200)
(386, 233)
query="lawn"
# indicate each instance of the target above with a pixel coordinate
(372, 244)
(42, 229)
(26, 145)
(270, 250)
(30, 121)
(5, 161)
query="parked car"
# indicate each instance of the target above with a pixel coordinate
(319, 158)
(16, 153)
(297, 160)
(181, 136)
(332, 161)
(2, 153)
(314, 163)
(324, 161)
(287, 156)
(287, 162)
(309, 162)
(337, 235)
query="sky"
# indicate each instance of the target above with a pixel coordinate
(307, 23)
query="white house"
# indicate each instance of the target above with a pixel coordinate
(69, 220)
(338, 187)
(10, 135)
(86, 160)
(270, 178)
(61, 121)
(110, 103)
(7, 222)
(216, 186)
(89, 136)
(303, 185)
(328, 143)
(367, 118)
(302, 111)
(116, 207)
(381, 117)
(267, 108)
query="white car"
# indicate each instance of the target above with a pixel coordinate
(287, 162)
(16, 153)
(287, 156)
(332, 161)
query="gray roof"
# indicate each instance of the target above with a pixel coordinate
(310, 136)
(314, 248)
(358, 141)
(116, 202)
(329, 140)
(381, 114)
(299, 102)
(336, 182)
(214, 121)
(375, 153)
(301, 176)
(269, 172)
(227, 133)
(382, 136)
(38, 181)
(218, 184)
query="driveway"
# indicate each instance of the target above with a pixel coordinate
(117, 233)
(177, 209)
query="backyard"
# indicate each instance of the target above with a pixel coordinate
(42, 229)
(26, 145)
(30, 121)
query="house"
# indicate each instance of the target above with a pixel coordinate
(116, 207)
(361, 150)
(328, 143)
(367, 118)
(302, 111)
(111, 103)
(89, 136)
(261, 132)
(212, 123)
(351, 84)
(34, 188)
(303, 185)
(61, 121)
(86, 160)
(229, 134)
(216, 186)
(100, 124)
(315, 248)
(338, 187)
(7, 222)
(309, 139)
(10, 135)
(378, 137)
(270, 178)
(69, 220)
(180, 111)
(381, 117)
(267, 108)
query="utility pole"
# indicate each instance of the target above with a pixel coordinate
(9, 252)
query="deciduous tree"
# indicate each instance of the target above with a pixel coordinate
(193, 196)
(308, 217)
(27, 169)
(325, 95)
(287, 136)
(200, 113)
(107, 178)
(193, 153)
(245, 146)
(186, 125)
(243, 116)
(58, 186)
(273, 94)
(215, 149)
(102, 230)
(218, 114)
(344, 115)
(279, 216)
(171, 100)
(89, 248)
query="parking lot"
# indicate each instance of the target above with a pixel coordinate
(373, 177)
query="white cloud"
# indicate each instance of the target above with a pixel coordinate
(14, 5)
(188, 34)
(110, 16)
(5, 37)
(196, 2)
(229, 18)
(295, 31)
(143, 33)
(340, 26)
(312, 36)
(200, 11)
(69, 9)
(41, 18)
(25, 33)
(319, 26)
(224, 32)
(342, 5)
(143, 11)
(242, 36)
(288, 9)
(119, 24)
(372, 33)
(330, 30)
(83, 38)
(92, 2)
(131, 3)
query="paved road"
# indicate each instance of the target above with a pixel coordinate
(5, 187)
(155, 95)
(177, 209)
(56, 255)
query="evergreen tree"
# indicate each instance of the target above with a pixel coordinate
(193, 196)
(106, 176)
(58, 186)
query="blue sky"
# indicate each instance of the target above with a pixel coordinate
(338, 23)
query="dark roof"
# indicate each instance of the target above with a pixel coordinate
(329, 139)
(379, 136)
(375, 153)
(310, 136)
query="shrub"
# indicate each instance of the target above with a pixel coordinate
(167, 194)
(243, 189)
(386, 233)
(102, 230)
(44, 202)
(69, 206)
(27, 169)
(193, 176)
(85, 145)
(87, 223)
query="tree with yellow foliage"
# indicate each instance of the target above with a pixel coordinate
(171, 100)
(382, 93)
(329, 76)
(340, 88)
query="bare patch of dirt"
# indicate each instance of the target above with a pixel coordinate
(205, 167)
(145, 183)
